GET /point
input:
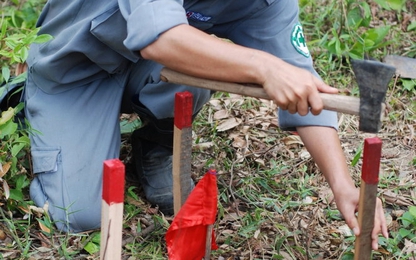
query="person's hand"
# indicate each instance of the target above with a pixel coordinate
(296, 90)
(347, 204)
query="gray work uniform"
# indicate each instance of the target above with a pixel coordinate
(78, 82)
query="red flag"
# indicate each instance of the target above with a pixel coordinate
(186, 235)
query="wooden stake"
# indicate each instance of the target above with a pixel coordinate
(208, 242)
(182, 149)
(182, 153)
(112, 210)
(368, 197)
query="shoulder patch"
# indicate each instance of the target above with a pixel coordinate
(298, 40)
(197, 16)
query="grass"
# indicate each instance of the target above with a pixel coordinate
(273, 201)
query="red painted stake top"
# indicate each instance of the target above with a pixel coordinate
(183, 110)
(113, 181)
(371, 160)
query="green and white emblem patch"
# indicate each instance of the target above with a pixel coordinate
(298, 40)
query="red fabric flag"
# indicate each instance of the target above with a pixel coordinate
(186, 236)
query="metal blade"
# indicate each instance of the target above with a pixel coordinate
(373, 78)
(405, 67)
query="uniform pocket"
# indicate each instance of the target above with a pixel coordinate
(45, 159)
(110, 28)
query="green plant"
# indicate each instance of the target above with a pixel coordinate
(18, 31)
(409, 221)
(15, 229)
(93, 244)
(408, 84)
(13, 149)
(396, 244)
(396, 5)
(353, 37)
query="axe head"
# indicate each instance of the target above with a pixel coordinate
(373, 78)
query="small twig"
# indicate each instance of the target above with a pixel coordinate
(145, 232)
(47, 241)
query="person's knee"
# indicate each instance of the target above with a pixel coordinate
(73, 206)
(76, 221)
(73, 218)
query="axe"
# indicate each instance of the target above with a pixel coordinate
(372, 78)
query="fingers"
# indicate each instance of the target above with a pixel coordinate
(316, 104)
(304, 99)
(352, 222)
(300, 107)
(383, 223)
(324, 88)
(380, 226)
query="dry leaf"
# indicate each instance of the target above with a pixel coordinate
(305, 155)
(221, 114)
(395, 199)
(4, 168)
(6, 189)
(215, 103)
(239, 142)
(43, 249)
(292, 139)
(260, 161)
(307, 200)
(345, 230)
(413, 195)
(228, 124)
(326, 195)
(257, 233)
(44, 228)
(2, 235)
(409, 247)
(203, 146)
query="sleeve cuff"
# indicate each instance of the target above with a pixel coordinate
(289, 122)
(147, 21)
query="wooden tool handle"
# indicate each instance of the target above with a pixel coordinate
(343, 104)
(368, 197)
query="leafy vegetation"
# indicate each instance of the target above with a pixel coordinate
(273, 201)
(17, 33)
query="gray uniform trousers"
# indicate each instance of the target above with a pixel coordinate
(78, 126)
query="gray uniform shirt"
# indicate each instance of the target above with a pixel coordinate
(94, 38)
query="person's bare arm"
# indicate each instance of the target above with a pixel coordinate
(190, 51)
(324, 146)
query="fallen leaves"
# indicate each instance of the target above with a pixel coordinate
(228, 124)
(4, 168)
(395, 199)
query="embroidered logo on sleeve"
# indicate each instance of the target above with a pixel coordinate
(197, 16)
(298, 40)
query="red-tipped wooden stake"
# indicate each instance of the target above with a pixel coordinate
(112, 210)
(182, 149)
(368, 196)
(182, 153)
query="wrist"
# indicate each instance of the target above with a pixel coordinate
(342, 191)
(264, 65)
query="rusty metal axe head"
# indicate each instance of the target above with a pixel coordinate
(373, 78)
